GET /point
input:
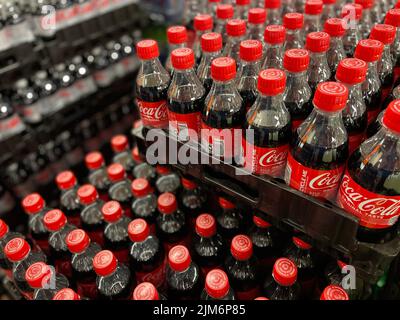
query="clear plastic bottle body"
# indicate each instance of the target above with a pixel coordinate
(372, 91)
(116, 238)
(288, 6)
(319, 70)
(275, 291)
(273, 56)
(230, 222)
(184, 285)
(385, 70)
(99, 179)
(377, 13)
(117, 285)
(220, 27)
(247, 81)
(256, 31)
(172, 229)
(232, 48)
(328, 11)
(92, 221)
(294, 39)
(274, 16)
(70, 204)
(335, 54)
(241, 11)
(365, 23)
(395, 49)
(193, 202)
(350, 40)
(312, 23)
(125, 159)
(146, 208)
(204, 69)
(121, 191)
(208, 252)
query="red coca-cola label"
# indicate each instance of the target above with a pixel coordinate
(317, 183)
(355, 140)
(184, 126)
(372, 115)
(223, 143)
(153, 114)
(156, 277)
(87, 289)
(11, 125)
(270, 161)
(248, 295)
(65, 14)
(86, 7)
(375, 211)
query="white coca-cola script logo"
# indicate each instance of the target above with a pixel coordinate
(158, 112)
(272, 157)
(325, 181)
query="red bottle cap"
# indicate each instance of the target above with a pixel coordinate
(351, 71)
(205, 225)
(301, 244)
(333, 292)
(116, 172)
(272, 4)
(188, 184)
(136, 155)
(341, 264)
(112, 211)
(369, 50)
(3, 228)
(16, 249)
(275, 34)
(38, 275)
(260, 222)
(391, 117)
(162, 170)
(385, 33)
(313, 7)
(296, 60)
(335, 27)
(257, 16)
(318, 42)
(331, 96)
(66, 294)
(179, 258)
(147, 49)
(138, 230)
(182, 58)
(225, 11)
(352, 10)
(329, 1)
(236, 28)
(217, 284)
(293, 21)
(177, 35)
(119, 143)
(366, 4)
(226, 204)
(77, 241)
(241, 247)
(65, 180)
(94, 160)
(54, 220)
(87, 194)
(393, 17)
(271, 82)
(397, 5)
(223, 69)
(242, 2)
(145, 291)
(140, 187)
(261, 298)
(33, 203)
(167, 203)
(250, 50)
(104, 263)
(203, 22)
(211, 42)
(284, 272)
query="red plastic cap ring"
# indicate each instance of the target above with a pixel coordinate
(313, 7)
(250, 50)
(119, 143)
(261, 223)
(145, 291)
(3, 228)
(236, 28)
(104, 263)
(335, 27)
(333, 292)
(284, 272)
(301, 244)
(66, 294)
(391, 117)
(225, 11)
(272, 4)
(331, 96)
(66, 180)
(188, 184)
(177, 35)
(140, 187)
(296, 60)
(116, 172)
(16, 249)
(203, 22)
(217, 284)
(369, 50)
(138, 230)
(211, 42)
(352, 11)
(205, 225)
(223, 69)
(38, 275)
(54, 220)
(393, 17)
(271, 82)
(385, 33)
(162, 169)
(182, 58)
(147, 49)
(94, 160)
(257, 16)
(275, 34)
(351, 71)
(167, 203)
(87, 194)
(241, 247)
(366, 4)
(318, 42)
(33, 203)
(226, 204)
(293, 21)
(77, 241)
(112, 211)
(179, 258)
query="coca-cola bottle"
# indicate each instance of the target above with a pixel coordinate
(35, 207)
(333, 292)
(293, 23)
(319, 149)
(66, 294)
(152, 83)
(274, 38)
(223, 110)
(120, 189)
(230, 220)
(317, 43)
(282, 285)
(386, 34)
(45, 281)
(22, 255)
(27, 103)
(217, 286)
(203, 23)
(351, 14)
(366, 19)
(11, 123)
(393, 19)
(298, 94)
(328, 11)
(211, 44)
(183, 275)
(312, 16)
(369, 189)
(225, 12)
(256, 23)
(242, 268)
(167, 180)
(114, 280)
(236, 30)
(335, 28)
(242, 9)
(145, 171)
(212, 7)
(268, 127)
(69, 201)
(352, 72)
(274, 12)
(84, 82)
(144, 204)
(98, 173)
(122, 153)
(83, 251)
(250, 58)
(56, 223)
(171, 222)
(207, 246)
(147, 291)
(5, 236)
(91, 215)
(192, 199)
(377, 13)
(186, 96)
(177, 38)
(371, 51)
(147, 255)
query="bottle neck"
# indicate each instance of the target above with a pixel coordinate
(235, 40)
(372, 72)
(336, 43)
(387, 57)
(224, 86)
(172, 47)
(151, 66)
(265, 102)
(312, 19)
(318, 59)
(249, 68)
(296, 78)
(209, 56)
(256, 31)
(366, 17)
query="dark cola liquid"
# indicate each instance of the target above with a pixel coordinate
(373, 100)
(42, 240)
(190, 294)
(95, 232)
(207, 83)
(229, 224)
(299, 112)
(274, 291)
(249, 97)
(170, 239)
(186, 107)
(209, 253)
(387, 82)
(269, 137)
(85, 283)
(355, 126)
(388, 100)
(62, 262)
(125, 294)
(119, 248)
(373, 128)
(223, 119)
